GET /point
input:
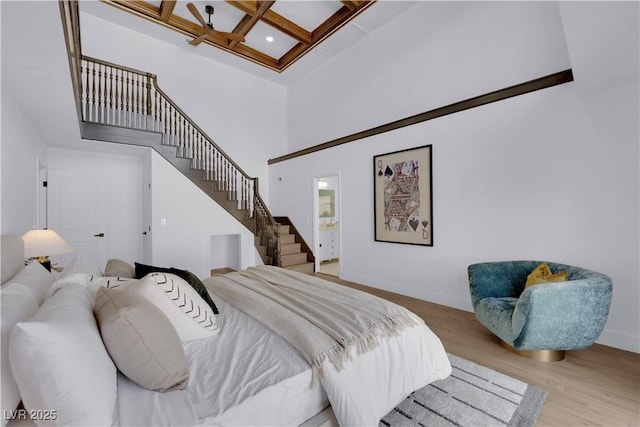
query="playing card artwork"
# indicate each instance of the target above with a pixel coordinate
(403, 199)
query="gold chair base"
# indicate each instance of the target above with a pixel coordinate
(539, 355)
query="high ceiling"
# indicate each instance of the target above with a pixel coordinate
(274, 34)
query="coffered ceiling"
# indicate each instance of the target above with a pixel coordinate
(274, 34)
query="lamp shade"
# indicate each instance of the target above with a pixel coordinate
(42, 243)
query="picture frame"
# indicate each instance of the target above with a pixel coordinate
(403, 196)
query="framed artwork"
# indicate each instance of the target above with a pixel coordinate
(403, 201)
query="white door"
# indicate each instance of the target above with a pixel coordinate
(76, 211)
(146, 219)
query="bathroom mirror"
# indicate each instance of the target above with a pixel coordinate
(327, 203)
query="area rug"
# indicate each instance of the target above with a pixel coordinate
(472, 396)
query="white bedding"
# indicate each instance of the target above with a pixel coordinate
(390, 351)
(233, 381)
(250, 376)
(373, 383)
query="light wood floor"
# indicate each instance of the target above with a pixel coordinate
(599, 386)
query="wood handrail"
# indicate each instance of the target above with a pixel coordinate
(118, 66)
(70, 15)
(192, 123)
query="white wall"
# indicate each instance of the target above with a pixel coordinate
(450, 51)
(550, 175)
(122, 178)
(191, 218)
(22, 150)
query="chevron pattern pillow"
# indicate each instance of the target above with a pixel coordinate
(190, 315)
(142, 270)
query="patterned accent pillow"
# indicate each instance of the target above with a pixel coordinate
(143, 269)
(189, 314)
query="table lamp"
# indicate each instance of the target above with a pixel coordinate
(40, 244)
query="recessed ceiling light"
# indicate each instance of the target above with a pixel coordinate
(269, 39)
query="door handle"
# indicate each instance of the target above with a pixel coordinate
(144, 233)
(99, 235)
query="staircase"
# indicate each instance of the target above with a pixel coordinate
(295, 254)
(124, 105)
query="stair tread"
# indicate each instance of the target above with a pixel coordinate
(306, 267)
(292, 259)
(290, 248)
(287, 239)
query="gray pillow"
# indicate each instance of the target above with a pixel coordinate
(141, 340)
(119, 268)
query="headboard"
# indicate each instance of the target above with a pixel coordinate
(12, 250)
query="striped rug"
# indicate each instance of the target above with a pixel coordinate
(472, 396)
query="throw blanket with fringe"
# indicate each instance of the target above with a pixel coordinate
(322, 320)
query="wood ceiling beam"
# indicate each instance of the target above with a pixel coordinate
(248, 7)
(350, 4)
(334, 22)
(166, 9)
(142, 7)
(249, 20)
(262, 10)
(288, 27)
(258, 57)
(293, 54)
(255, 11)
(244, 26)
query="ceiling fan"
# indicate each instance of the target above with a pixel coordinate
(208, 27)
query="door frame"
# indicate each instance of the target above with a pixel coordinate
(316, 214)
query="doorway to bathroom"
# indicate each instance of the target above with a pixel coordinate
(327, 224)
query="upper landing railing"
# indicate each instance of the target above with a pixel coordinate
(114, 95)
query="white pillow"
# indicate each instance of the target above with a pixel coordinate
(89, 281)
(18, 304)
(189, 314)
(60, 363)
(35, 277)
(80, 264)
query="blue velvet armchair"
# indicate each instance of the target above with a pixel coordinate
(559, 316)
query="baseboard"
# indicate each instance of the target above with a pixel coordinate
(619, 340)
(434, 297)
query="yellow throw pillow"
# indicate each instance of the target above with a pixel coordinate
(542, 274)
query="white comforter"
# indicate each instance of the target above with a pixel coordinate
(250, 376)
(373, 383)
(246, 376)
(396, 359)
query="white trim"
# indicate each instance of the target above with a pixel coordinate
(316, 216)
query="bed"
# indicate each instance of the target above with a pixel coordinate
(243, 373)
